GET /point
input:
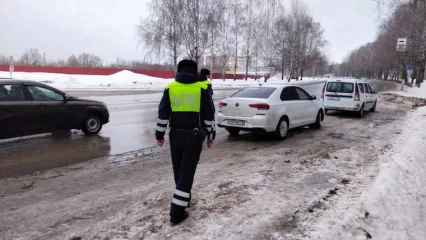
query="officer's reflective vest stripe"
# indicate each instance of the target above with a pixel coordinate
(185, 97)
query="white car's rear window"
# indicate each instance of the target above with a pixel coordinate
(260, 92)
(340, 87)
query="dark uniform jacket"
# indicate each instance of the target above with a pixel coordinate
(186, 120)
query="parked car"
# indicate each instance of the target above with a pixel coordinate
(349, 95)
(28, 108)
(270, 108)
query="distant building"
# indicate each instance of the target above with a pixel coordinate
(241, 63)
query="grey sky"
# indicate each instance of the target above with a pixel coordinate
(107, 27)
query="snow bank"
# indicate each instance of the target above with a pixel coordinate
(123, 79)
(394, 208)
(413, 91)
(126, 80)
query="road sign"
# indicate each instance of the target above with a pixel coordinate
(401, 45)
(410, 67)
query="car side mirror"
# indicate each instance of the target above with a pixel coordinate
(67, 98)
(313, 97)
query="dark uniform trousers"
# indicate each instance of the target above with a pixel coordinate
(186, 146)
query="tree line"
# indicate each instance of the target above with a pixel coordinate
(33, 57)
(380, 59)
(259, 32)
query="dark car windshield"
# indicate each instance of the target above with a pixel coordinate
(340, 87)
(260, 92)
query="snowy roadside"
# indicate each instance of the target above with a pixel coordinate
(394, 207)
(250, 187)
(412, 92)
(129, 81)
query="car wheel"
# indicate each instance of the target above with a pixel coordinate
(92, 125)
(233, 131)
(282, 129)
(317, 124)
(373, 109)
(360, 113)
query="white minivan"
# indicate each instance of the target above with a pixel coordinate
(353, 95)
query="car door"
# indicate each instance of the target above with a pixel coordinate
(16, 111)
(308, 110)
(373, 95)
(52, 108)
(290, 99)
(367, 99)
(362, 92)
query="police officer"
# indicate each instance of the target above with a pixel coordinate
(187, 107)
(204, 77)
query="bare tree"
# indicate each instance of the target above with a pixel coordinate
(380, 59)
(4, 60)
(84, 60)
(31, 57)
(224, 35)
(194, 23)
(298, 41)
(160, 32)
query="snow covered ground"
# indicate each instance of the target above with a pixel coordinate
(394, 206)
(414, 91)
(124, 80)
(347, 180)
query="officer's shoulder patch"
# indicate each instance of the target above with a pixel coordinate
(202, 85)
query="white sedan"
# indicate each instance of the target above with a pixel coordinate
(270, 108)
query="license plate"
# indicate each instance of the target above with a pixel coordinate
(333, 98)
(236, 122)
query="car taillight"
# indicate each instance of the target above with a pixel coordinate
(356, 96)
(222, 104)
(323, 92)
(260, 106)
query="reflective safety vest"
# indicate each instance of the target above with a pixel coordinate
(206, 82)
(185, 97)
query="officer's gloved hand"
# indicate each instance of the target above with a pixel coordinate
(210, 139)
(160, 143)
(210, 143)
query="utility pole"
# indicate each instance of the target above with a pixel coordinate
(44, 58)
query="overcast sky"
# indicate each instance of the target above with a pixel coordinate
(107, 28)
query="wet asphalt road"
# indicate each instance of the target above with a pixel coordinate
(131, 127)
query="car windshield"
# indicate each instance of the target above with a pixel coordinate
(340, 87)
(260, 92)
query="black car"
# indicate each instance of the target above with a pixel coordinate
(28, 108)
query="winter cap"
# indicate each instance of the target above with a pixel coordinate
(205, 71)
(186, 63)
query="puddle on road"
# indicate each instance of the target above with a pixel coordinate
(130, 131)
(18, 158)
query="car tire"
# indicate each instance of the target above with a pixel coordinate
(282, 129)
(317, 124)
(360, 113)
(92, 125)
(233, 131)
(373, 109)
